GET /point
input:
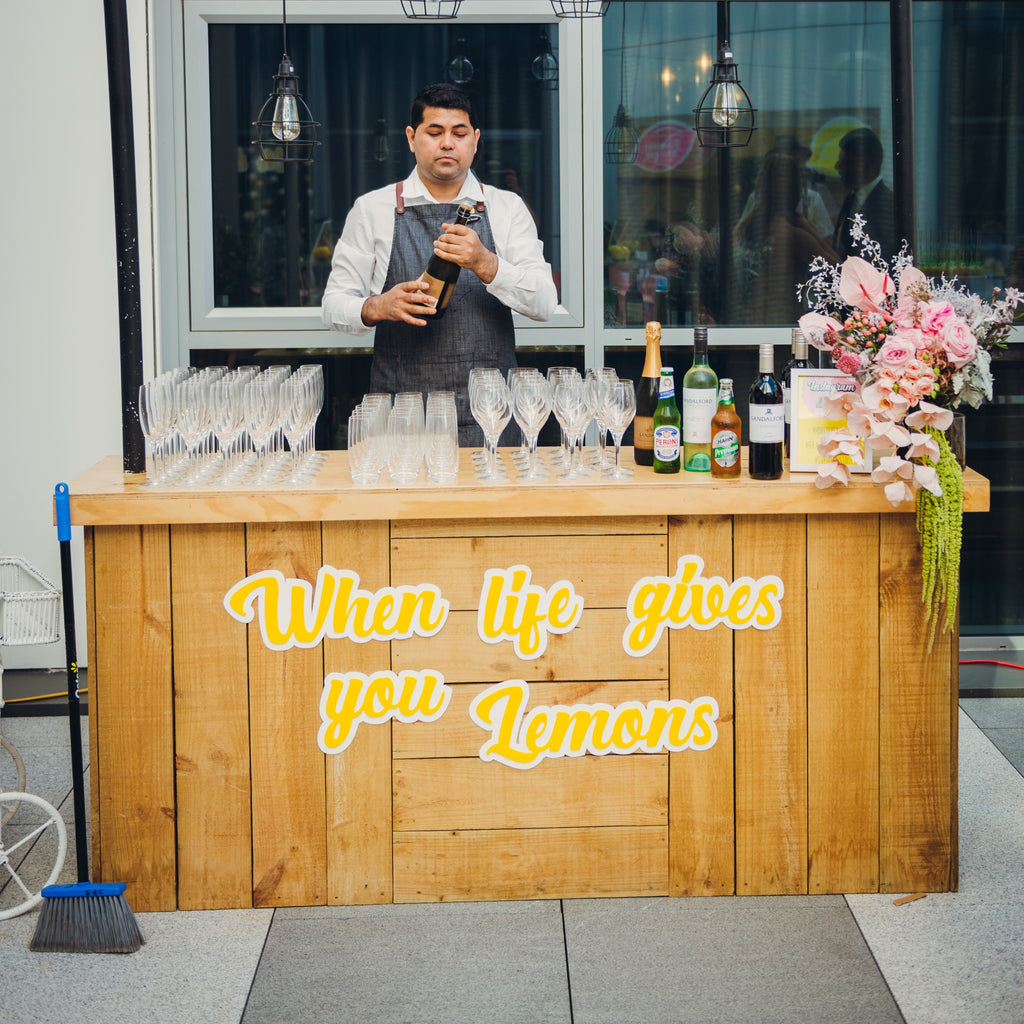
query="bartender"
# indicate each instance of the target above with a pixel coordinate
(388, 239)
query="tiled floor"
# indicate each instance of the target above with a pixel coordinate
(809, 960)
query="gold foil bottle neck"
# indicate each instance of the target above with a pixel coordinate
(652, 332)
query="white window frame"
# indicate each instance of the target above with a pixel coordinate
(189, 318)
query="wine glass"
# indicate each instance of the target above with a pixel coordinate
(573, 413)
(489, 404)
(531, 406)
(262, 395)
(620, 407)
(194, 419)
(602, 377)
(558, 375)
(157, 413)
(228, 416)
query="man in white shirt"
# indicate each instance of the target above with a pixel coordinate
(388, 238)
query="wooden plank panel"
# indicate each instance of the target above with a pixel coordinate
(918, 747)
(842, 705)
(289, 812)
(601, 569)
(211, 722)
(455, 734)
(92, 704)
(134, 713)
(593, 650)
(466, 793)
(701, 825)
(359, 777)
(771, 714)
(541, 526)
(518, 864)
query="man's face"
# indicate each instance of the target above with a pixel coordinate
(851, 168)
(444, 144)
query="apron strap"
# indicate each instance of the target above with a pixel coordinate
(400, 201)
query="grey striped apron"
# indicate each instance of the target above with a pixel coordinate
(476, 329)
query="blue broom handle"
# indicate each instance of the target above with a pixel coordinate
(60, 497)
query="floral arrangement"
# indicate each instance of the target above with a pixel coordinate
(920, 349)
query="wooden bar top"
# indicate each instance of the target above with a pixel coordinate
(102, 497)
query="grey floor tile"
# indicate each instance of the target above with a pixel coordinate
(727, 959)
(444, 963)
(195, 967)
(995, 712)
(956, 956)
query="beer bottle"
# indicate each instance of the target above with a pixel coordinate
(667, 421)
(726, 434)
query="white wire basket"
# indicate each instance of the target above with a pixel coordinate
(29, 605)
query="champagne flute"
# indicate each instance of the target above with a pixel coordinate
(261, 403)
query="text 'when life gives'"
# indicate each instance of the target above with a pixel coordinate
(512, 609)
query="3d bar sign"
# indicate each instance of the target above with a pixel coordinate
(512, 609)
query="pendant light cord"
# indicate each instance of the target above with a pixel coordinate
(284, 26)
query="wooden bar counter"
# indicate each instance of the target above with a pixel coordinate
(834, 768)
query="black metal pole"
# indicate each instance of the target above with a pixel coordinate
(126, 226)
(725, 247)
(901, 55)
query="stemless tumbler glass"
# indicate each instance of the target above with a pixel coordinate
(441, 437)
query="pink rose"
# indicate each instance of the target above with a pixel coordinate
(895, 353)
(934, 316)
(958, 342)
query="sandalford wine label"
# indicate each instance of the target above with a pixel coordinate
(767, 424)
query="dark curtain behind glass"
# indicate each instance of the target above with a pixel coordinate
(275, 225)
(697, 235)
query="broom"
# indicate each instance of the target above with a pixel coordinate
(86, 917)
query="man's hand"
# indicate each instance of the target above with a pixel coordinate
(407, 302)
(460, 244)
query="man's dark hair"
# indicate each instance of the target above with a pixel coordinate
(443, 96)
(863, 149)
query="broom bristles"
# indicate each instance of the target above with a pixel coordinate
(86, 918)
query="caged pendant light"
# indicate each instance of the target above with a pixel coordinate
(724, 117)
(544, 66)
(285, 129)
(435, 10)
(580, 8)
(621, 142)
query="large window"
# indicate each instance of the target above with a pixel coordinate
(681, 234)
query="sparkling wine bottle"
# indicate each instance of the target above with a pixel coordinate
(647, 389)
(441, 274)
(767, 420)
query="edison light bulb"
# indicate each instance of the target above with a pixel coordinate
(285, 125)
(726, 103)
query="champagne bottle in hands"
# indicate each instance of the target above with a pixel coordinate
(441, 274)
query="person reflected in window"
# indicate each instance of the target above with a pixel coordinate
(388, 239)
(811, 204)
(690, 264)
(860, 169)
(775, 245)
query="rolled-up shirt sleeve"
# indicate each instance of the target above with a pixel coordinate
(523, 281)
(352, 274)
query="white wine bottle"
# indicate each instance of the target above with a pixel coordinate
(441, 274)
(700, 401)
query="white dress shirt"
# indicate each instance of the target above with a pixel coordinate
(360, 264)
